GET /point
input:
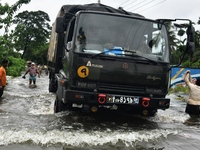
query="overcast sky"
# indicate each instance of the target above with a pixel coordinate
(153, 9)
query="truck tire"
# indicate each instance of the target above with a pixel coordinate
(52, 83)
(152, 112)
(58, 105)
(52, 87)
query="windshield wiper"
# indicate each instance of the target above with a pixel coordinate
(134, 54)
(130, 53)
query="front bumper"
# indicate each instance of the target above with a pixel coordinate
(107, 99)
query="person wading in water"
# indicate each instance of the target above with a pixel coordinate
(33, 71)
(193, 102)
(3, 76)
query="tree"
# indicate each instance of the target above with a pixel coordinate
(196, 55)
(197, 37)
(173, 41)
(16, 64)
(39, 54)
(7, 12)
(32, 31)
(3, 10)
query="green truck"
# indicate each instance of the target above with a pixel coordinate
(103, 59)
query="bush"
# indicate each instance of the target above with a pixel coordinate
(15, 66)
(179, 88)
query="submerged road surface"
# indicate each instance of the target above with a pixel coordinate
(27, 122)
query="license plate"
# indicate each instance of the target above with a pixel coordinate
(123, 99)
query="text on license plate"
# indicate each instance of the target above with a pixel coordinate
(123, 99)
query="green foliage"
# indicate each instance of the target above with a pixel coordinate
(38, 54)
(15, 66)
(186, 64)
(196, 56)
(196, 64)
(31, 33)
(7, 12)
(175, 57)
(179, 88)
(172, 36)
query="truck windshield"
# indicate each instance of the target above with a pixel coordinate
(118, 35)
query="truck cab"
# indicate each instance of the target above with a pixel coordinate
(104, 61)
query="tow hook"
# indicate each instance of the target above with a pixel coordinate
(102, 98)
(145, 101)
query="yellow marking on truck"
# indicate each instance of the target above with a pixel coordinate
(83, 71)
(178, 73)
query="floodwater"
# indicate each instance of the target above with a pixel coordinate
(27, 122)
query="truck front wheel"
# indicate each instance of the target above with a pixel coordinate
(58, 105)
(52, 83)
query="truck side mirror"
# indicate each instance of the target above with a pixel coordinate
(191, 33)
(190, 46)
(59, 24)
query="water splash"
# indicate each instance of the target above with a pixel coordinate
(81, 139)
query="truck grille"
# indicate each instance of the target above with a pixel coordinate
(119, 88)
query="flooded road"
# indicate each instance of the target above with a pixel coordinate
(27, 122)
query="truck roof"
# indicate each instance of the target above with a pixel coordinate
(73, 9)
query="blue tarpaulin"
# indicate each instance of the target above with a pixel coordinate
(178, 72)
